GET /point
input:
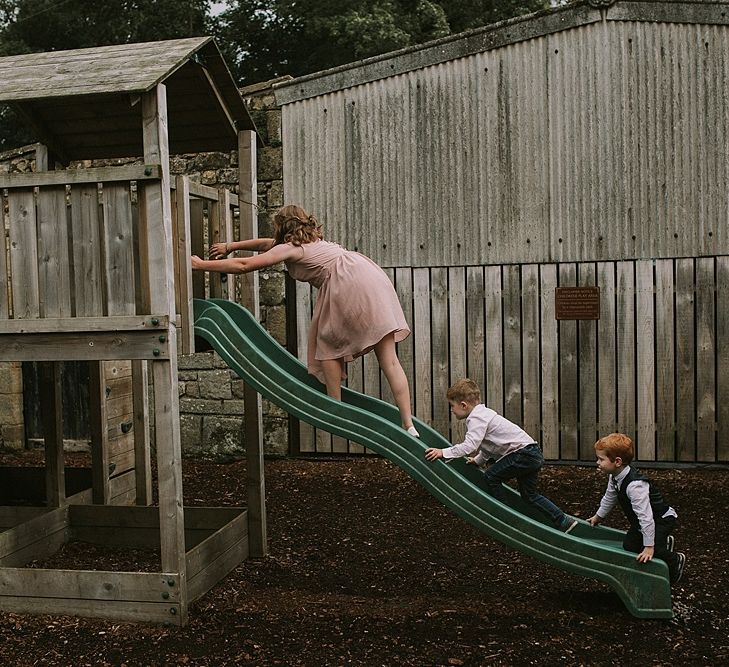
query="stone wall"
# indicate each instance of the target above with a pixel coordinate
(211, 396)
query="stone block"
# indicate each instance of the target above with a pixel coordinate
(273, 126)
(271, 287)
(274, 196)
(201, 360)
(270, 163)
(12, 437)
(276, 437)
(276, 323)
(222, 438)
(214, 384)
(199, 406)
(11, 377)
(11, 409)
(191, 433)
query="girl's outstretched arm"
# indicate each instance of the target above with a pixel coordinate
(278, 253)
(219, 250)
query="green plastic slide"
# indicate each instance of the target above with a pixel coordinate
(281, 378)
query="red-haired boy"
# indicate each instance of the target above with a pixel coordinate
(651, 518)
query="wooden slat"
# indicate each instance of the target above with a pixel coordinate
(645, 361)
(625, 337)
(550, 364)
(531, 380)
(118, 239)
(705, 360)
(81, 176)
(23, 254)
(405, 349)
(99, 434)
(422, 335)
(512, 332)
(218, 568)
(34, 538)
(88, 585)
(197, 245)
(85, 324)
(587, 365)
(142, 447)
(202, 554)
(458, 339)
(87, 269)
(203, 191)
(119, 610)
(722, 361)
(685, 367)
(52, 412)
(4, 284)
(53, 268)
(568, 378)
(493, 392)
(307, 441)
(439, 346)
(665, 362)
(607, 388)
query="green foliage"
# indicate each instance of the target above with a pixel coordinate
(269, 38)
(52, 25)
(261, 39)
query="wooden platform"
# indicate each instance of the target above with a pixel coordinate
(216, 541)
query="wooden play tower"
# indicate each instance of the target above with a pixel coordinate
(94, 266)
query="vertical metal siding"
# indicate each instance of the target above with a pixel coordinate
(608, 141)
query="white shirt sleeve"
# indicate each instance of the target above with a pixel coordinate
(639, 496)
(608, 500)
(477, 426)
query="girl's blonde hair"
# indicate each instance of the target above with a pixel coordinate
(292, 224)
(464, 390)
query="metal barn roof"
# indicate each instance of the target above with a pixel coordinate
(84, 103)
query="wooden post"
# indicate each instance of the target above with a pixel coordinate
(51, 401)
(142, 455)
(253, 432)
(52, 411)
(99, 448)
(157, 209)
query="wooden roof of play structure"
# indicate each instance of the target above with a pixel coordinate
(85, 104)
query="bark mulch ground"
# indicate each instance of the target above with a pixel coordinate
(366, 568)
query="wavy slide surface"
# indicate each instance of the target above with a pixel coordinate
(276, 374)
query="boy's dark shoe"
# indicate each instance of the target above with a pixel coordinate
(569, 525)
(670, 541)
(680, 563)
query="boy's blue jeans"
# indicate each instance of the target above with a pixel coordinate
(523, 465)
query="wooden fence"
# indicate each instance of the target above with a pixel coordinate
(654, 365)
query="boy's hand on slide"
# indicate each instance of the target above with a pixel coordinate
(432, 454)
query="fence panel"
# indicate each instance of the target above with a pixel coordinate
(654, 364)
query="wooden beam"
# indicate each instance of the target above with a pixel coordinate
(158, 212)
(52, 413)
(99, 435)
(86, 324)
(80, 346)
(249, 297)
(148, 172)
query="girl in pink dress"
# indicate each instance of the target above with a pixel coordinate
(357, 309)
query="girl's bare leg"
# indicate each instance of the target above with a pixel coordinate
(332, 369)
(390, 364)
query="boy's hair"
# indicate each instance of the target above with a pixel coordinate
(464, 390)
(616, 445)
(292, 224)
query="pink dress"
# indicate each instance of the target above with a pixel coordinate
(356, 306)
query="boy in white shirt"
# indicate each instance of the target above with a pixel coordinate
(517, 455)
(651, 518)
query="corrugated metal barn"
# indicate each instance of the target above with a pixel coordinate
(586, 146)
